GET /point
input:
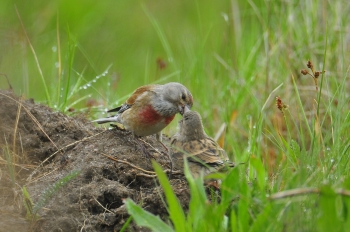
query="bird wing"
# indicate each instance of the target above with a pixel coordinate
(120, 109)
(204, 151)
(139, 91)
(131, 100)
(115, 109)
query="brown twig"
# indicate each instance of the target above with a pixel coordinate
(103, 206)
(130, 164)
(293, 193)
(146, 175)
(155, 175)
(343, 192)
(305, 191)
(24, 166)
(149, 173)
(41, 176)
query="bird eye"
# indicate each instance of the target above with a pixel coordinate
(183, 97)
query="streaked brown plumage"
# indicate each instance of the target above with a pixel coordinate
(203, 153)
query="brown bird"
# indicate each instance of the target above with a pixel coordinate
(150, 109)
(202, 152)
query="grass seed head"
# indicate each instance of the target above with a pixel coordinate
(280, 104)
(304, 71)
(310, 65)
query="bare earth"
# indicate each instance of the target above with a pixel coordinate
(92, 201)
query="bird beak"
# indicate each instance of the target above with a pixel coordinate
(184, 109)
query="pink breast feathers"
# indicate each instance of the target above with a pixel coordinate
(169, 119)
(149, 115)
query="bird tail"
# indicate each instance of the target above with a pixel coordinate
(108, 119)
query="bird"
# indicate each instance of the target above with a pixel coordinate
(150, 108)
(204, 155)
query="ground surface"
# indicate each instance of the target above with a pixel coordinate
(92, 201)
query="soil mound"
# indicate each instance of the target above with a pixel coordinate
(39, 147)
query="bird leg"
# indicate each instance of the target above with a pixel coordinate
(166, 149)
(166, 153)
(146, 153)
(141, 144)
(170, 160)
(159, 138)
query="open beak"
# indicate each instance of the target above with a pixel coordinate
(184, 109)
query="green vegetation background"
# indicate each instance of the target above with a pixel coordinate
(235, 56)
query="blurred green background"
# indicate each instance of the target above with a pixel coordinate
(234, 56)
(124, 34)
(231, 55)
(205, 45)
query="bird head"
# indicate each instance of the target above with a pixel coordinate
(178, 95)
(191, 125)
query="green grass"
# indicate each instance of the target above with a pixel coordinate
(236, 57)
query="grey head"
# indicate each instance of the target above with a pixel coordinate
(191, 127)
(176, 98)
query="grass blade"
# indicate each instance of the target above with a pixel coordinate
(176, 213)
(146, 219)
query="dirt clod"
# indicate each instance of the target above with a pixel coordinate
(42, 146)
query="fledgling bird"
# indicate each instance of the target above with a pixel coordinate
(151, 108)
(202, 152)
